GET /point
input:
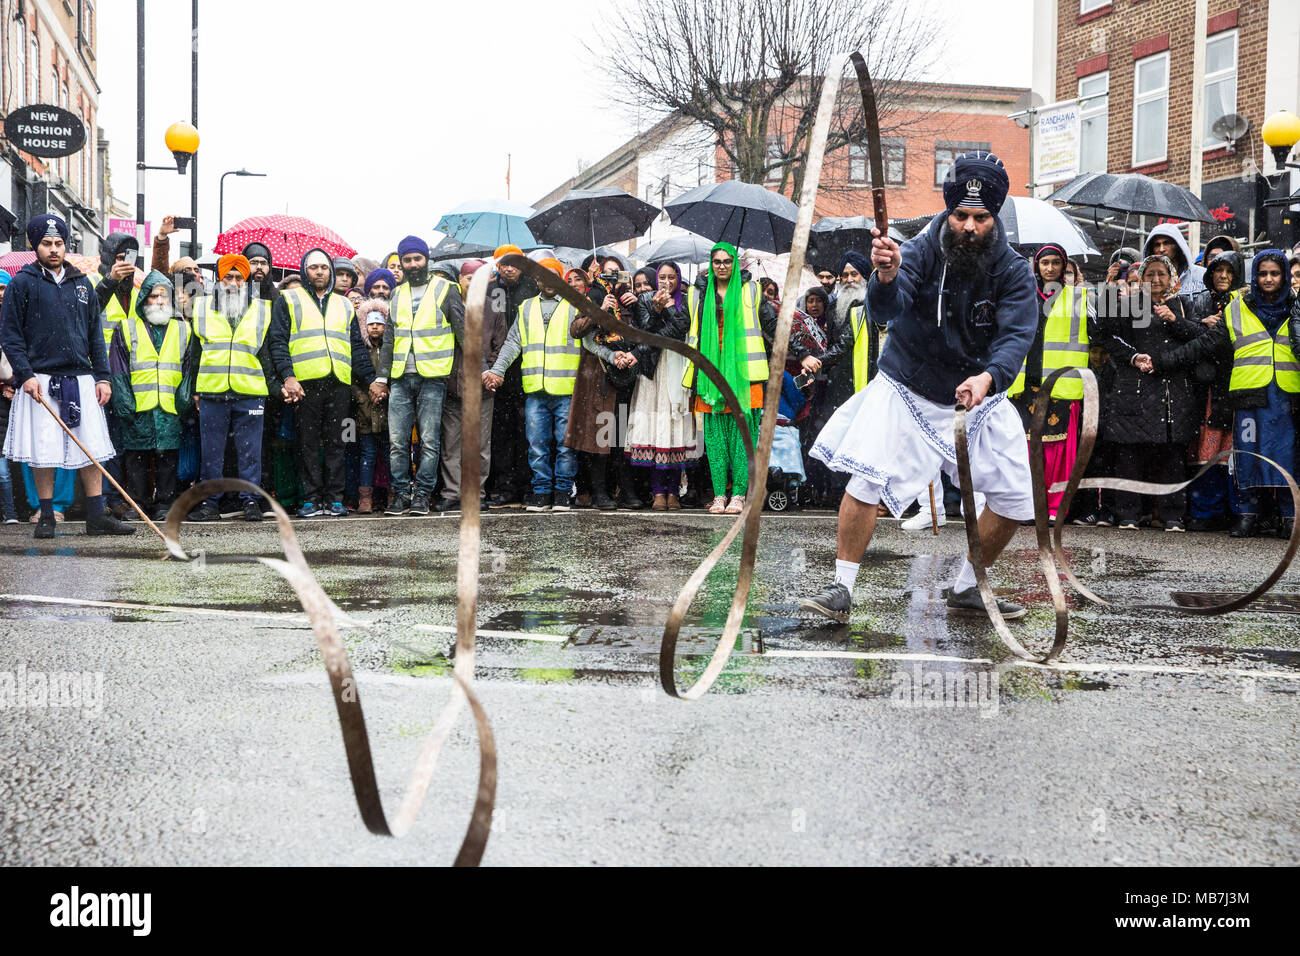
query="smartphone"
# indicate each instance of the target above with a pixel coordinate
(183, 222)
(803, 379)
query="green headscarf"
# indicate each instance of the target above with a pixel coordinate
(730, 359)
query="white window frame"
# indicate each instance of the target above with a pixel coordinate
(21, 61)
(1087, 6)
(1141, 99)
(1218, 77)
(34, 68)
(1088, 110)
(775, 151)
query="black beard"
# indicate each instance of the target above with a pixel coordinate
(417, 276)
(966, 256)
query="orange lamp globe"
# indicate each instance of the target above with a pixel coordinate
(183, 141)
(1280, 132)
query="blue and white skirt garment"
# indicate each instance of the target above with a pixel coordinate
(893, 441)
(36, 439)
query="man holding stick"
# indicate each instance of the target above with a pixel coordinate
(50, 329)
(962, 310)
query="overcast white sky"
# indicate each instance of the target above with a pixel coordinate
(376, 118)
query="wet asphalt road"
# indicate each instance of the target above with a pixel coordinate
(1173, 742)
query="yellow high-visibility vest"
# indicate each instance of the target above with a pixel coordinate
(228, 357)
(1065, 344)
(755, 349)
(156, 373)
(550, 355)
(868, 340)
(113, 314)
(432, 335)
(1257, 356)
(319, 344)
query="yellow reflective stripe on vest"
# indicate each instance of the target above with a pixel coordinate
(428, 331)
(156, 374)
(861, 346)
(755, 347)
(319, 344)
(228, 358)
(549, 354)
(1065, 344)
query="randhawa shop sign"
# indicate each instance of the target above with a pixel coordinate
(45, 130)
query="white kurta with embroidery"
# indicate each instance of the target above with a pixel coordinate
(892, 441)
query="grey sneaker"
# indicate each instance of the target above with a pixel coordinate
(420, 503)
(833, 601)
(970, 602)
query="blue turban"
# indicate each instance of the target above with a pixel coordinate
(5, 278)
(375, 275)
(412, 244)
(46, 224)
(976, 180)
(858, 261)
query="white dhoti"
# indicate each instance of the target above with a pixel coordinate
(36, 439)
(892, 441)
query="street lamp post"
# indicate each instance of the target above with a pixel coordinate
(221, 196)
(1280, 133)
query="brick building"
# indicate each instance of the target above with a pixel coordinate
(1134, 59)
(930, 123)
(47, 48)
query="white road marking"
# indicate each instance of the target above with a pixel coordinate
(507, 635)
(171, 608)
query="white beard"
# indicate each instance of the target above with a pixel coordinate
(233, 305)
(848, 296)
(157, 314)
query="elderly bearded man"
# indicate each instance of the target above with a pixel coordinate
(962, 309)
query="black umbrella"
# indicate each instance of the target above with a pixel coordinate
(450, 248)
(1135, 194)
(586, 217)
(743, 214)
(832, 236)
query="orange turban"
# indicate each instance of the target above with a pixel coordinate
(555, 265)
(507, 250)
(236, 262)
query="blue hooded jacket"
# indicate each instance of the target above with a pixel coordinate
(52, 328)
(988, 323)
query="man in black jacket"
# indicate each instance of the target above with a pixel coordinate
(962, 308)
(50, 331)
(511, 474)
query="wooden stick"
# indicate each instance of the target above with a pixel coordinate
(934, 518)
(103, 471)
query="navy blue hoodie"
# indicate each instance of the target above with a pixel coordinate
(988, 323)
(363, 370)
(52, 328)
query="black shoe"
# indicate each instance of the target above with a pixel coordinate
(1202, 524)
(398, 504)
(503, 501)
(1284, 527)
(1244, 527)
(833, 601)
(252, 511)
(970, 602)
(534, 502)
(105, 523)
(1105, 519)
(420, 503)
(560, 502)
(158, 514)
(1175, 526)
(603, 502)
(1128, 524)
(205, 512)
(447, 504)
(1086, 521)
(484, 504)
(45, 528)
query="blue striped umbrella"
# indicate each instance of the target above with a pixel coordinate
(490, 223)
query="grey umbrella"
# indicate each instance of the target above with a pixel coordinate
(832, 236)
(1135, 194)
(743, 214)
(692, 249)
(587, 217)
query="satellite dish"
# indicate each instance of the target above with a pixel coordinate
(1027, 101)
(1230, 128)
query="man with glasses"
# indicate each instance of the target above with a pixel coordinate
(962, 309)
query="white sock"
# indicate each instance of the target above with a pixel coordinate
(966, 579)
(846, 573)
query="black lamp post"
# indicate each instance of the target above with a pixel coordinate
(221, 196)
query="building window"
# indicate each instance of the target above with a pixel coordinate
(945, 153)
(20, 62)
(1093, 126)
(1220, 81)
(775, 154)
(1087, 6)
(35, 70)
(893, 155)
(1150, 109)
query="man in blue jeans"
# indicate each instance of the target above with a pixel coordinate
(550, 370)
(426, 322)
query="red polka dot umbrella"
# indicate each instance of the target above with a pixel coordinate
(288, 238)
